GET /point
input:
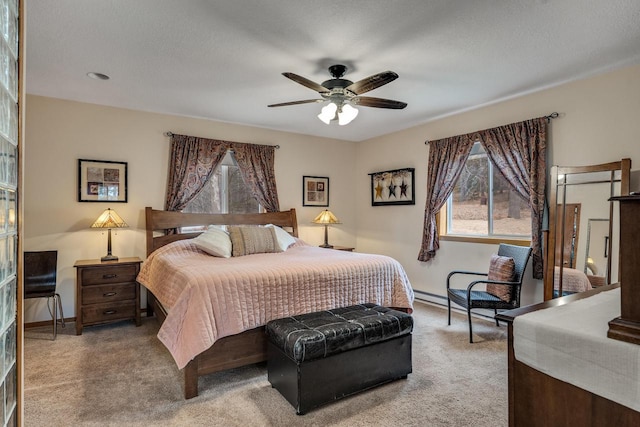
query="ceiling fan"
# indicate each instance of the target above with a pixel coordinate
(343, 94)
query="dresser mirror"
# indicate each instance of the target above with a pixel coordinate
(583, 226)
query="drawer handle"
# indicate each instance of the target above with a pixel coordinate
(109, 294)
(110, 312)
(109, 276)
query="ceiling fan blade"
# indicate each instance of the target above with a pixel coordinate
(306, 82)
(306, 101)
(367, 101)
(372, 82)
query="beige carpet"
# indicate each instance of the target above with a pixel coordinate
(120, 375)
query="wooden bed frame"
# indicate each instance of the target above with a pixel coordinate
(537, 399)
(229, 352)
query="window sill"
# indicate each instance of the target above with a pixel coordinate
(488, 240)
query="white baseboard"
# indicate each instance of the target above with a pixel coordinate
(441, 301)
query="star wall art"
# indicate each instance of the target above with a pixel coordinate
(394, 187)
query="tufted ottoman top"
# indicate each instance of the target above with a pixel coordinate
(314, 335)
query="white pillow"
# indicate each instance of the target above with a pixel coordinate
(215, 242)
(218, 226)
(284, 239)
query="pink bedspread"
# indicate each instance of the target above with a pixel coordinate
(572, 280)
(209, 298)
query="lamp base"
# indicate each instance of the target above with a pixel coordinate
(109, 258)
(326, 246)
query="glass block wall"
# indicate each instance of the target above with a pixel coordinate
(9, 30)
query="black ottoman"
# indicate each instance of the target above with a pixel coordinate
(317, 358)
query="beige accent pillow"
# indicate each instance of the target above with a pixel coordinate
(215, 242)
(503, 269)
(253, 240)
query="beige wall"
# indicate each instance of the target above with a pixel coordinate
(599, 122)
(58, 133)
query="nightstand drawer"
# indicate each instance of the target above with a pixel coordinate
(98, 313)
(106, 293)
(109, 274)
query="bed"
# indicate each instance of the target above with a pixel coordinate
(573, 281)
(213, 310)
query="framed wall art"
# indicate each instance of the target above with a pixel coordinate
(315, 191)
(394, 187)
(102, 181)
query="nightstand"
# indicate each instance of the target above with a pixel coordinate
(107, 292)
(341, 248)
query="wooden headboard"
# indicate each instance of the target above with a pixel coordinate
(158, 222)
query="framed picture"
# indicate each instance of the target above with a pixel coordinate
(102, 181)
(315, 191)
(395, 187)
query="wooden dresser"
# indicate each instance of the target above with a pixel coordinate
(627, 326)
(107, 292)
(537, 399)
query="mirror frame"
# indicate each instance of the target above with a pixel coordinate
(624, 166)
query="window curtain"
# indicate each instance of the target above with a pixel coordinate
(446, 161)
(256, 164)
(193, 160)
(519, 151)
(191, 163)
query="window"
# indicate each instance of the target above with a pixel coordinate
(225, 192)
(483, 205)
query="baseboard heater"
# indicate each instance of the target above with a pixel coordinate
(440, 300)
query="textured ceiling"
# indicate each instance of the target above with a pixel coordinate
(223, 60)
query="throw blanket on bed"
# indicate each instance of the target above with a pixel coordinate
(569, 342)
(209, 298)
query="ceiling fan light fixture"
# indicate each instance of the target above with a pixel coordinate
(343, 94)
(346, 114)
(328, 113)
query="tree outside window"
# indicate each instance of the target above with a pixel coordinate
(225, 192)
(482, 203)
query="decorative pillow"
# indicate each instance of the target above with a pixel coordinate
(215, 242)
(502, 269)
(284, 239)
(218, 226)
(253, 240)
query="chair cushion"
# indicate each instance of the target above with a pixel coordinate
(501, 269)
(479, 299)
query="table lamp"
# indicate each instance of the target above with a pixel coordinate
(325, 218)
(109, 219)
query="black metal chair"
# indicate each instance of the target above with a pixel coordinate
(40, 277)
(468, 298)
